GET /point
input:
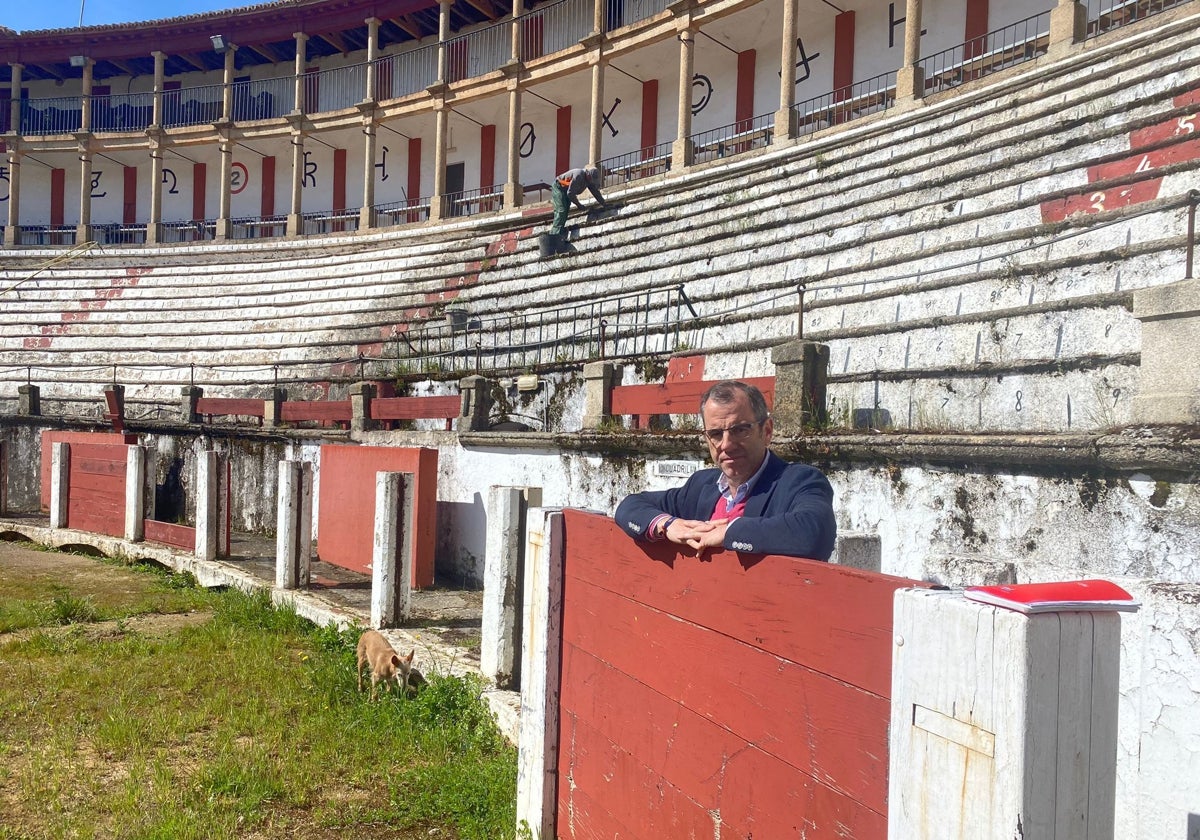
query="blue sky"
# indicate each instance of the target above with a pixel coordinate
(28, 15)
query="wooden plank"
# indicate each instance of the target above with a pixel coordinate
(168, 533)
(416, 408)
(675, 397)
(648, 806)
(210, 406)
(847, 614)
(297, 410)
(50, 438)
(822, 726)
(346, 505)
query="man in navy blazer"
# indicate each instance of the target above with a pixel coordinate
(752, 501)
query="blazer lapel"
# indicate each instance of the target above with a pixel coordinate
(757, 503)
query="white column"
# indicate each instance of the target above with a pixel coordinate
(681, 152)
(503, 550)
(135, 498)
(60, 484)
(208, 489)
(391, 556)
(784, 124)
(1003, 724)
(541, 652)
(293, 525)
(910, 82)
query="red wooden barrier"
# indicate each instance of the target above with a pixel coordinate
(346, 505)
(51, 438)
(231, 406)
(168, 533)
(673, 397)
(337, 411)
(741, 694)
(417, 408)
(96, 495)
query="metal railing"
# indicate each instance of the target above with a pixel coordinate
(633, 166)
(46, 235)
(329, 221)
(470, 202)
(624, 325)
(733, 139)
(201, 105)
(335, 89)
(123, 112)
(1107, 15)
(117, 233)
(263, 99)
(478, 53)
(254, 227)
(554, 27)
(1014, 44)
(54, 115)
(405, 73)
(197, 230)
(404, 211)
(618, 13)
(845, 104)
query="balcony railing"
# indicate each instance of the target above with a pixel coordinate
(402, 212)
(634, 166)
(46, 235)
(618, 13)
(1020, 42)
(116, 233)
(405, 73)
(554, 27)
(123, 112)
(193, 106)
(263, 99)
(478, 53)
(335, 89)
(251, 227)
(1107, 15)
(733, 139)
(197, 230)
(55, 115)
(329, 221)
(470, 202)
(845, 104)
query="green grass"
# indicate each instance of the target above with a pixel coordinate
(247, 724)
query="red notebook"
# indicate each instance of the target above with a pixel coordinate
(1064, 596)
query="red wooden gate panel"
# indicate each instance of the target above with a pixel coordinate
(96, 495)
(346, 505)
(740, 696)
(51, 438)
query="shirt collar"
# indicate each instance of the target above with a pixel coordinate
(744, 490)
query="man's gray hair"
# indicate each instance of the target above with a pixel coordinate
(726, 391)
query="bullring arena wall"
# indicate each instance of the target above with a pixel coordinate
(972, 262)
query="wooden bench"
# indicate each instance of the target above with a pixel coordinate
(417, 408)
(643, 401)
(230, 407)
(325, 411)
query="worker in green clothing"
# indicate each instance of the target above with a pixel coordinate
(566, 189)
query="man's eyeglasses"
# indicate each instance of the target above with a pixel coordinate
(737, 432)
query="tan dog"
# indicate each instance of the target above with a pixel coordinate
(385, 663)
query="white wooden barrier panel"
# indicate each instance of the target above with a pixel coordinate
(1004, 725)
(135, 493)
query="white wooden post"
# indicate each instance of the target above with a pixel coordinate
(293, 525)
(60, 484)
(391, 558)
(541, 652)
(1003, 724)
(504, 560)
(135, 493)
(208, 490)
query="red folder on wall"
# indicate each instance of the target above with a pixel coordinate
(1062, 596)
